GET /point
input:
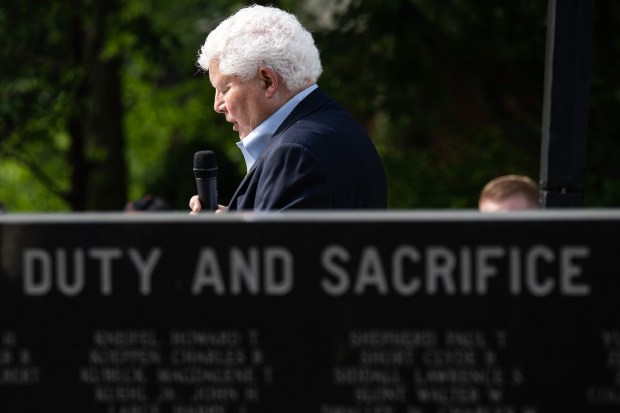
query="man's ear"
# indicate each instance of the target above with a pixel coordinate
(270, 80)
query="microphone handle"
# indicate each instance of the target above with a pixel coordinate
(207, 192)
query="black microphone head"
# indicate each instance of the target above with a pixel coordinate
(205, 164)
(204, 160)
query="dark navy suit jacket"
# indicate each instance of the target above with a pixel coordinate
(319, 158)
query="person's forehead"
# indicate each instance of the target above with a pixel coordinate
(214, 74)
(511, 203)
(220, 80)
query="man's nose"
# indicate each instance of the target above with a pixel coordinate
(218, 104)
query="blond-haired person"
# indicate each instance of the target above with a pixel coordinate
(509, 193)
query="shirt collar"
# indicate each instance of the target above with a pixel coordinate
(253, 145)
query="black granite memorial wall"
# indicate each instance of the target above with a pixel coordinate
(410, 312)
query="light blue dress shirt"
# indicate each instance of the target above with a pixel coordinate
(253, 145)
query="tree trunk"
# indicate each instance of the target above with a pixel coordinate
(76, 155)
(104, 173)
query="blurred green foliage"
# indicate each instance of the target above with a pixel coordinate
(102, 102)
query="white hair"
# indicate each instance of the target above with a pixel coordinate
(263, 36)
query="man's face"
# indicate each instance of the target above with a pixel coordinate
(244, 104)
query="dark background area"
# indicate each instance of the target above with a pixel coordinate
(102, 102)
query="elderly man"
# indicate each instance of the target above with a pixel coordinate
(302, 149)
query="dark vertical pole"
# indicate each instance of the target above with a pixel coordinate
(565, 106)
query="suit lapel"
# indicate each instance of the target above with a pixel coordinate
(243, 184)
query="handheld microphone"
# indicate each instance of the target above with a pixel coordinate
(205, 171)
